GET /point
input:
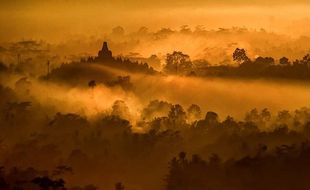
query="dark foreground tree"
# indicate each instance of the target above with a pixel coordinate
(119, 186)
(46, 183)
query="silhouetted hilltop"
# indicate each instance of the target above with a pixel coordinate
(98, 69)
(76, 73)
(105, 58)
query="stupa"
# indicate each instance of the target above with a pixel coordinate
(104, 54)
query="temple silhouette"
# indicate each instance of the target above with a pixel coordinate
(104, 54)
(106, 58)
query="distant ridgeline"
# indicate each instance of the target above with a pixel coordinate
(261, 67)
(105, 57)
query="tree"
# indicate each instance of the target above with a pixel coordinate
(3, 183)
(211, 118)
(46, 183)
(62, 169)
(120, 109)
(306, 59)
(178, 63)
(240, 56)
(92, 84)
(143, 31)
(264, 61)
(48, 68)
(265, 115)
(252, 116)
(284, 116)
(284, 61)
(118, 31)
(194, 112)
(177, 115)
(182, 156)
(15, 111)
(119, 186)
(185, 29)
(155, 109)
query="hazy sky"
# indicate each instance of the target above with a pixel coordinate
(152, 3)
(58, 19)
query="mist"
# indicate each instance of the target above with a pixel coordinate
(156, 95)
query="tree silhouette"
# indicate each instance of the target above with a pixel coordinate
(119, 186)
(120, 109)
(284, 61)
(46, 183)
(240, 56)
(48, 68)
(62, 169)
(211, 119)
(177, 116)
(178, 63)
(92, 84)
(194, 112)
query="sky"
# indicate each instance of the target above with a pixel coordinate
(56, 19)
(151, 3)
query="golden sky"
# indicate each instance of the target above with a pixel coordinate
(56, 19)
